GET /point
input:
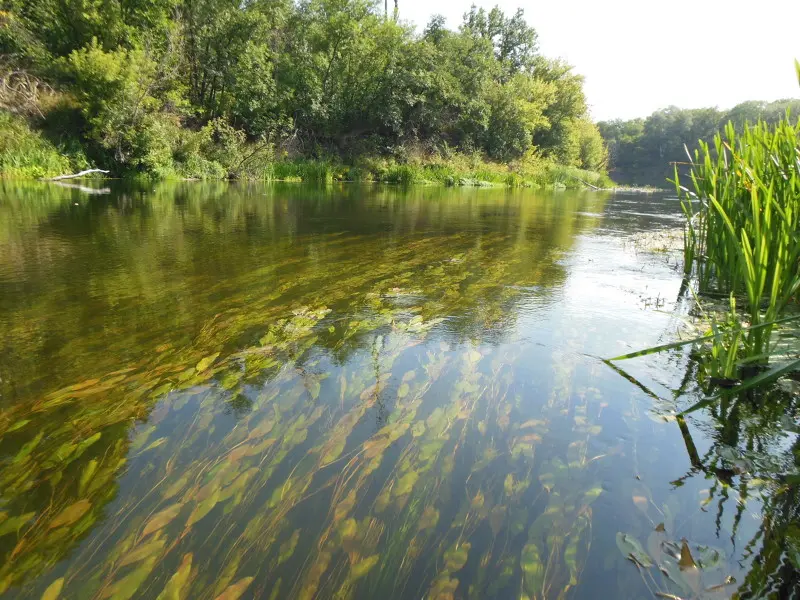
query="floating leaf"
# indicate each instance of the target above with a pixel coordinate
(176, 487)
(334, 451)
(707, 557)
(262, 429)
(532, 567)
(497, 517)
(224, 578)
(155, 444)
(86, 443)
(654, 544)
(508, 484)
(547, 480)
(29, 447)
(592, 494)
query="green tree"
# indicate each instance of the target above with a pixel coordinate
(559, 140)
(144, 84)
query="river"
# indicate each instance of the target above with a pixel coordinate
(231, 390)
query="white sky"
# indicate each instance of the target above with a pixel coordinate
(641, 55)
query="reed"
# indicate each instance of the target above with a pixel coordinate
(742, 218)
(741, 242)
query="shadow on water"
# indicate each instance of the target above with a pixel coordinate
(353, 391)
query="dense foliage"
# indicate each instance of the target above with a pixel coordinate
(222, 87)
(642, 150)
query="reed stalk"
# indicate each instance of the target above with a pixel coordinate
(742, 219)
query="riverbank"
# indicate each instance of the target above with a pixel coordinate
(30, 153)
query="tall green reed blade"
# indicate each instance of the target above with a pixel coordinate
(704, 338)
(748, 196)
(759, 380)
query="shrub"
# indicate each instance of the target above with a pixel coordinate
(27, 153)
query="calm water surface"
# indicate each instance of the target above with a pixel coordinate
(214, 390)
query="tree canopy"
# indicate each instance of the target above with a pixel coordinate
(140, 79)
(643, 151)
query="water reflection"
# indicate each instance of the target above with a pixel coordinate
(742, 454)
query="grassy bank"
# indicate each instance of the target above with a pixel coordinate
(29, 154)
(216, 153)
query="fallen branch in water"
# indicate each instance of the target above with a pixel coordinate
(74, 175)
(594, 187)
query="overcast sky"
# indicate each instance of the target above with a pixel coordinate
(641, 55)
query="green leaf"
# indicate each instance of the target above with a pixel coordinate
(86, 475)
(361, 568)
(14, 523)
(456, 556)
(203, 508)
(71, 514)
(762, 379)
(142, 552)
(127, 587)
(206, 362)
(177, 586)
(18, 425)
(235, 591)
(161, 519)
(710, 336)
(53, 590)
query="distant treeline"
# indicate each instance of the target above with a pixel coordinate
(214, 88)
(641, 151)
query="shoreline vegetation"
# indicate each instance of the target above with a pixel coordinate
(28, 154)
(314, 91)
(645, 151)
(741, 258)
